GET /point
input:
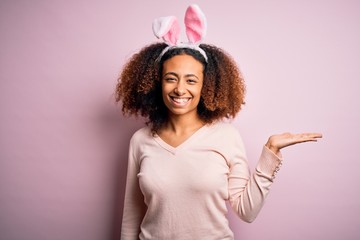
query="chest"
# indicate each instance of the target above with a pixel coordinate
(189, 171)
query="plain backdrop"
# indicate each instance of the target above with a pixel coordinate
(63, 140)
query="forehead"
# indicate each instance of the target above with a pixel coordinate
(183, 63)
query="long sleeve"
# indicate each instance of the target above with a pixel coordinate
(248, 191)
(180, 193)
(134, 207)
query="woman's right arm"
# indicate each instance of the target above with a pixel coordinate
(134, 206)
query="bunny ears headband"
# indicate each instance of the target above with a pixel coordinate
(168, 29)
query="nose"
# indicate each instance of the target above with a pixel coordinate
(180, 88)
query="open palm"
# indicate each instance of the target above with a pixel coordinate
(279, 141)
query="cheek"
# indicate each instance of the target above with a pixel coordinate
(163, 93)
(199, 91)
(164, 89)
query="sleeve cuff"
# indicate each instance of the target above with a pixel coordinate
(269, 163)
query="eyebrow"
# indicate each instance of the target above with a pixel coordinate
(176, 75)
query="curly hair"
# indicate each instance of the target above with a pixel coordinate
(139, 85)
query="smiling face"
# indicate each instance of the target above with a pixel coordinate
(182, 81)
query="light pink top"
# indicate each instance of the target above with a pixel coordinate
(181, 192)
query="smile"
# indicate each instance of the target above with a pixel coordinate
(180, 101)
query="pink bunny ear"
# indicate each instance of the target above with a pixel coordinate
(195, 23)
(167, 28)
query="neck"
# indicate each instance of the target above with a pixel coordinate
(180, 124)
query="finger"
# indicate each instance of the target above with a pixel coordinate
(309, 139)
(305, 137)
(314, 135)
(309, 135)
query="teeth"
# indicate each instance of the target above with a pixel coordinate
(181, 100)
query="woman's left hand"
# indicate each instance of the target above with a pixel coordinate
(279, 141)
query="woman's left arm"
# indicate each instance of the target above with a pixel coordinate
(249, 191)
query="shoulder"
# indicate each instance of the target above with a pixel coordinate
(224, 129)
(141, 135)
(222, 133)
(227, 134)
(226, 139)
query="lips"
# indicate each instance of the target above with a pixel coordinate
(180, 101)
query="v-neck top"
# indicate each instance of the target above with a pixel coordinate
(181, 192)
(187, 141)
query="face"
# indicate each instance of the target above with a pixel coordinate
(182, 81)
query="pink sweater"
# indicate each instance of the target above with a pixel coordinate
(181, 192)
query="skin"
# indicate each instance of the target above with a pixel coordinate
(279, 141)
(182, 81)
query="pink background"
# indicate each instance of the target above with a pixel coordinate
(64, 142)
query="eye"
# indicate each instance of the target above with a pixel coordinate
(191, 81)
(170, 79)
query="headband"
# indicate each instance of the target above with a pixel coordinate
(168, 29)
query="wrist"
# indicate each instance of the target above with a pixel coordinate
(272, 148)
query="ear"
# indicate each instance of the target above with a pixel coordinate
(195, 23)
(167, 28)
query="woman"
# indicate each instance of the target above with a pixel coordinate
(187, 163)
